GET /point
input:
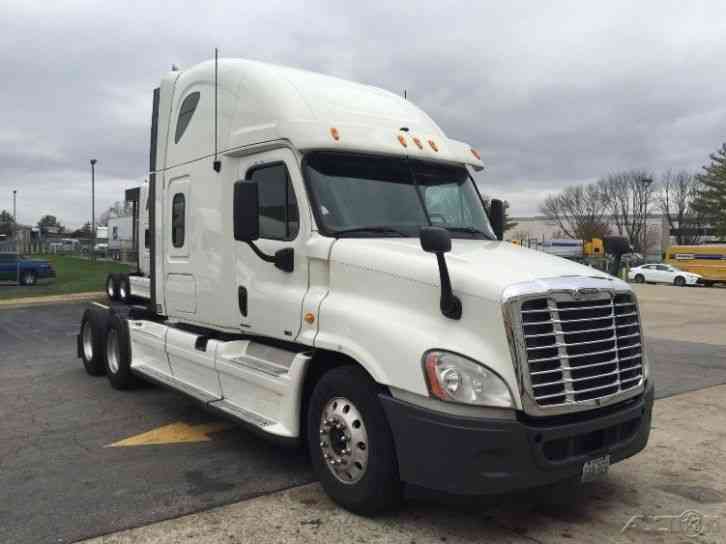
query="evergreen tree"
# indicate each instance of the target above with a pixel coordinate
(711, 199)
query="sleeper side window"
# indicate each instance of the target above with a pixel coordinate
(279, 217)
(178, 209)
(185, 115)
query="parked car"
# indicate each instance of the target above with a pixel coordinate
(663, 273)
(14, 267)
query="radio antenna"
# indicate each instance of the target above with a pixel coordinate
(217, 165)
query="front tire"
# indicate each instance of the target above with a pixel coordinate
(679, 281)
(117, 354)
(93, 340)
(639, 278)
(350, 442)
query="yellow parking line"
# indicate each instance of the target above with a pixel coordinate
(174, 433)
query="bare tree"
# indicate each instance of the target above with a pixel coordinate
(675, 198)
(628, 196)
(578, 211)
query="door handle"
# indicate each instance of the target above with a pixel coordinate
(242, 300)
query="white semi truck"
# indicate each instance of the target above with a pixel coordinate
(323, 270)
(136, 286)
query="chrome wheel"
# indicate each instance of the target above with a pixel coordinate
(109, 287)
(344, 440)
(113, 354)
(87, 341)
(122, 291)
(29, 278)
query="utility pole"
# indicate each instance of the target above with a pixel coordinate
(93, 210)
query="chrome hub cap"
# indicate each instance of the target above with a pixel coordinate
(344, 440)
(112, 351)
(109, 287)
(87, 341)
(122, 292)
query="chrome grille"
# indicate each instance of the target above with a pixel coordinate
(576, 343)
(581, 350)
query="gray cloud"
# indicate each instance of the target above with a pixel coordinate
(552, 94)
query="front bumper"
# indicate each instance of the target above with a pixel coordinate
(468, 456)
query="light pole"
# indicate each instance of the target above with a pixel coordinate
(15, 218)
(93, 209)
(646, 183)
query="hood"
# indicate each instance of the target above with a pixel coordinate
(477, 267)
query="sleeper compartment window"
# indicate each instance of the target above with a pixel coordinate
(177, 220)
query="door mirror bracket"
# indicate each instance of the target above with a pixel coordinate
(438, 241)
(247, 225)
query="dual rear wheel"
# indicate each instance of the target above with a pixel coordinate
(105, 347)
(118, 287)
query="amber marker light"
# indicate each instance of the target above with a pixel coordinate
(430, 365)
(476, 154)
(309, 318)
(433, 145)
(418, 143)
(402, 140)
(335, 134)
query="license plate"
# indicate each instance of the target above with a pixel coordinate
(595, 468)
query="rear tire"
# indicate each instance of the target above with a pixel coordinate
(27, 278)
(124, 289)
(117, 354)
(639, 278)
(346, 422)
(679, 281)
(112, 286)
(93, 340)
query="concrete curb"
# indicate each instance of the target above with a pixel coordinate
(51, 299)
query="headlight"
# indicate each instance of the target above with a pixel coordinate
(454, 378)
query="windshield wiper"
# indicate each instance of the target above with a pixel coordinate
(470, 230)
(372, 229)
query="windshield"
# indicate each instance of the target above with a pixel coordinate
(357, 195)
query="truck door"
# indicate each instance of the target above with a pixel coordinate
(270, 299)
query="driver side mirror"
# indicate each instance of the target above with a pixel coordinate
(435, 240)
(246, 211)
(496, 217)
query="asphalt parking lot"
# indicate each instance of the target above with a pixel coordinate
(61, 480)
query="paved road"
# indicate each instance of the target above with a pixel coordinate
(59, 483)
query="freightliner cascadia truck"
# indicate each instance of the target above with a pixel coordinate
(323, 270)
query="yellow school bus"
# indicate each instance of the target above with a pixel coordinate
(708, 260)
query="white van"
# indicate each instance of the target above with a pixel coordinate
(322, 269)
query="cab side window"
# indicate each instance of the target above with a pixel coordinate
(279, 216)
(178, 214)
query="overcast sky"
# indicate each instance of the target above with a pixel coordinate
(553, 94)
